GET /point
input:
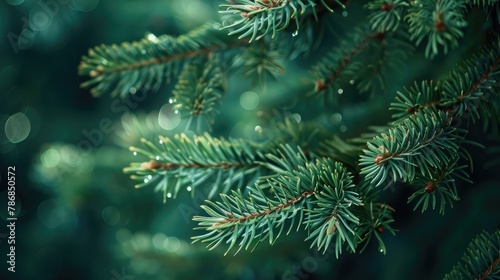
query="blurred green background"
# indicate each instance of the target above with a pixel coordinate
(79, 216)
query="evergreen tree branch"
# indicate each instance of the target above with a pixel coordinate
(481, 260)
(440, 22)
(260, 17)
(365, 59)
(262, 60)
(318, 195)
(193, 161)
(466, 90)
(151, 61)
(422, 142)
(387, 15)
(199, 91)
(440, 187)
(483, 3)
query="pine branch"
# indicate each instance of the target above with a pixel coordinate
(188, 162)
(198, 92)
(481, 260)
(469, 88)
(366, 59)
(375, 219)
(439, 188)
(260, 17)
(466, 91)
(318, 195)
(483, 3)
(262, 60)
(148, 63)
(440, 22)
(419, 143)
(387, 15)
(417, 98)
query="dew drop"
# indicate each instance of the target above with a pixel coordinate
(158, 157)
(351, 82)
(258, 129)
(170, 101)
(133, 90)
(189, 189)
(295, 33)
(149, 178)
(340, 91)
(143, 51)
(135, 153)
(344, 13)
(176, 112)
(146, 180)
(161, 141)
(169, 195)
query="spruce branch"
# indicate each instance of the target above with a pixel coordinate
(262, 60)
(417, 98)
(199, 91)
(375, 219)
(419, 143)
(440, 22)
(439, 188)
(256, 18)
(466, 91)
(365, 58)
(483, 3)
(317, 195)
(387, 15)
(188, 162)
(469, 88)
(148, 63)
(481, 259)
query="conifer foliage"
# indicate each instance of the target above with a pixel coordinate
(331, 188)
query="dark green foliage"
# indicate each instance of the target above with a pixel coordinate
(327, 185)
(318, 195)
(148, 63)
(257, 18)
(441, 23)
(468, 90)
(367, 59)
(439, 187)
(481, 259)
(484, 3)
(416, 98)
(198, 92)
(262, 60)
(387, 15)
(419, 144)
(188, 162)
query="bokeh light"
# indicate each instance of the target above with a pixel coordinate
(14, 2)
(17, 127)
(50, 158)
(172, 244)
(111, 215)
(167, 118)
(249, 100)
(84, 5)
